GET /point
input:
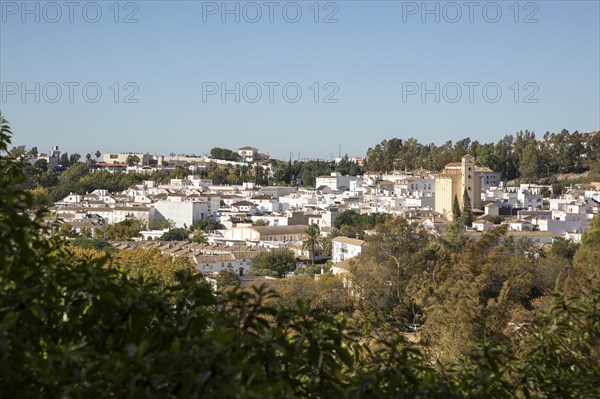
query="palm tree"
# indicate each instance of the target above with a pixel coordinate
(313, 241)
(328, 246)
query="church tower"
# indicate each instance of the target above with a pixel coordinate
(470, 181)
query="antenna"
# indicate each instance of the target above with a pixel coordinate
(340, 151)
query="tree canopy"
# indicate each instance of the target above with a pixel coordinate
(223, 153)
(520, 155)
(274, 262)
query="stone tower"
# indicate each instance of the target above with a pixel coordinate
(470, 181)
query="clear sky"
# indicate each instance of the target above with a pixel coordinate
(362, 68)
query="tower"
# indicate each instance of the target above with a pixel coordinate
(470, 181)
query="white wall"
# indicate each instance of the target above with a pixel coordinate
(182, 213)
(342, 251)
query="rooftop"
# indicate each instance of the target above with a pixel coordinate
(348, 240)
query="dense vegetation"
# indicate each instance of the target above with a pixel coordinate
(223, 153)
(352, 224)
(515, 156)
(275, 263)
(54, 185)
(78, 323)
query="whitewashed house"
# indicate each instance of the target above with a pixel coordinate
(336, 181)
(343, 248)
(483, 225)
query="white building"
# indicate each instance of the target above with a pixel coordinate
(181, 211)
(483, 225)
(529, 200)
(255, 234)
(109, 215)
(343, 248)
(489, 178)
(335, 181)
(251, 154)
(265, 203)
(121, 157)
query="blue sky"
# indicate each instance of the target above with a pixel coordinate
(375, 61)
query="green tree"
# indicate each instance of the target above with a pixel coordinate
(312, 241)
(495, 219)
(472, 299)
(73, 174)
(328, 244)
(456, 212)
(17, 151)
(529, 166)
(151, 265)
(352, 224)
(455, 238)
(586, 273)
(33, 152)
(198, 237)
(207, 226)
(161, 224)
(227, 279)
(275, 262)
(176, 234)
(326, 293)
(41, 198)
(564, 248)
(41, 164)
(400, 248)
(92, 243)
(467, 212)
(132, 160)
(223, 153)
(260, 222)
(122, 231)
(74, 158)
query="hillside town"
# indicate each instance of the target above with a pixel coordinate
(249, 218)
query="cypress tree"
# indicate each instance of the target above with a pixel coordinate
(456, 213)
(467, 212)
